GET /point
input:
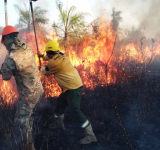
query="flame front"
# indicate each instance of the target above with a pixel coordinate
(96, 60)
(8, 92)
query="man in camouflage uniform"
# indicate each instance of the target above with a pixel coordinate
(20, 63)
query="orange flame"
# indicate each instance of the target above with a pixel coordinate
(91, 59)
(8, 92)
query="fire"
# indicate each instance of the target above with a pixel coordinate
(96, 60)
(139, 54)
(90, 59)
(7, 92)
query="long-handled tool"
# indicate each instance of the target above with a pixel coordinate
(6, 15)
(31, 5)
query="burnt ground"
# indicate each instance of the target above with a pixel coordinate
(137, 103)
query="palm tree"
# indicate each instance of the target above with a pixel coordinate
(116, 18)
(70, 22)
(25, 18)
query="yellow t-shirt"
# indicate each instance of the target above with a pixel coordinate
(65, 74)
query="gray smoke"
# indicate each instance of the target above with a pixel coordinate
(149, 20)
(142, 14)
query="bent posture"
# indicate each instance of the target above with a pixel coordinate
(20, 63)
(70, 82)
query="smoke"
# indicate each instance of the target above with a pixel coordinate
(142, 14)
(149, 20)
(130, 10)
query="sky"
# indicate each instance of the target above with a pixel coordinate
(50, 5)
(134, 12)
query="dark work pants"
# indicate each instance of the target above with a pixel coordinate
(71, 98)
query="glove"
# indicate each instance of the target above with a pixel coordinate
(39, 54)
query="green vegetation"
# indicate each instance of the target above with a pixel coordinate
(71, 24)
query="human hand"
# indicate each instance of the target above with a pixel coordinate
(40, 54)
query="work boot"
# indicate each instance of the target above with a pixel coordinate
(89, 136)
(58, 123)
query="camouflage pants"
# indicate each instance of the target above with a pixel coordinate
(25, 114)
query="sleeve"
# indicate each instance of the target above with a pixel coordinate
(7, 68)
(52, 67)
(45, 70)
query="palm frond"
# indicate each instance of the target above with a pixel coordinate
(118, 13)
(39, 15)
(63, 14)
(71, 10)
(56, 27)
(76, 19)
(70, 22)
(25, 18)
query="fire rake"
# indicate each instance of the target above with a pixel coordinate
(6, 15)
(31, 5)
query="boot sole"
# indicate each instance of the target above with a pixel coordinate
(95, 140)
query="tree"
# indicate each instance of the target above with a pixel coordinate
(116, 18)
(25, 17)
(70, 23)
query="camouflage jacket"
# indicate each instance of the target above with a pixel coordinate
(20, 62)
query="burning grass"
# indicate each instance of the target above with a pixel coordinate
(123, 72)
(101, 59)
(7, 111)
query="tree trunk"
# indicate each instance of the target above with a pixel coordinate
(66, 40)
(65, 35)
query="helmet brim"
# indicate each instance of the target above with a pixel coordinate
(52, 52)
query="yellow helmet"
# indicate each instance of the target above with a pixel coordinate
(52, 46)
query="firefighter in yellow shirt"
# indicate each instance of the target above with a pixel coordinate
(70, 82)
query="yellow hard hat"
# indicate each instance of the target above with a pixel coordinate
(52, 46)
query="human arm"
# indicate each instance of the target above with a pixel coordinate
(45, 70)
(53, 66)
(49, 70)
